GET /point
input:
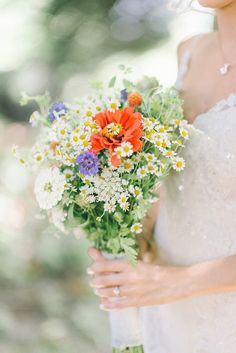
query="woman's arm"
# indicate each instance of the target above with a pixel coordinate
(149, 284)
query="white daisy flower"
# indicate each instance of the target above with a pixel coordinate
(151, 167)
(38, 157)
(123, 201)
(142, 172)
(136, 191)
(184, 133)
(35, 118)
(49, 187)
(127, 165)
(178, 163)
(126, 149)
(149, 157)
(68, 174)
(111, 101)
(136, 228)
(169, 153)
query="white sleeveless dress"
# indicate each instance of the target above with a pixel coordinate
(197, 222)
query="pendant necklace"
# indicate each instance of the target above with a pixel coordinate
(225, 68)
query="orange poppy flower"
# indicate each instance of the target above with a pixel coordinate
(123, 125)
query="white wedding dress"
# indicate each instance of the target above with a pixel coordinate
(197, 222)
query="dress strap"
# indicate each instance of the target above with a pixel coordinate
(184, 62)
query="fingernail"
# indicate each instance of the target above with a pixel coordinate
(95, 285)
(96, 292)
(89, 271)
(102, 307)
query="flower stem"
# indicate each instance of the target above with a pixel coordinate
(137, 349)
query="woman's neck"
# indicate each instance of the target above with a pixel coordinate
(226, 19)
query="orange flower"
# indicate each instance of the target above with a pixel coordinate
(135, 99)
(54, 145)
(123, 125)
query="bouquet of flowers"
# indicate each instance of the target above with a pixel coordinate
(100, 161)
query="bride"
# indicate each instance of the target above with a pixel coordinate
(188, 295)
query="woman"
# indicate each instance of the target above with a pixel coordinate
(195, 275)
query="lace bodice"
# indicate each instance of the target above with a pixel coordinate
(197, 222)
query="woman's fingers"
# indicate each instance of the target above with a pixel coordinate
(121, 303)
(107, 266)
(109, 280)
(95, 254)
(109, 291)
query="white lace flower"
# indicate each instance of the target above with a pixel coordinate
(49, 187)
(109, 207)
(58, 217)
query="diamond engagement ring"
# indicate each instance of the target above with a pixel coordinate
(116, 291)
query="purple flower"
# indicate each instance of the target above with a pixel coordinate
(124, 94)
(57, 110)
(88, 163)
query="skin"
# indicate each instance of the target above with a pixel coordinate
(152, 282)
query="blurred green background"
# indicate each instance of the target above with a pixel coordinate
(46, 304)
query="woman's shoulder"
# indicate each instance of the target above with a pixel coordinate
(189, 42)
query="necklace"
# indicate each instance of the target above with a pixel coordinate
(225, 68)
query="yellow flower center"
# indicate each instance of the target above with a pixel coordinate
(112, 129)
(179, 164)
(38, 158)
(113, 105)
(48, 187)
(75, 138)
(89, 113)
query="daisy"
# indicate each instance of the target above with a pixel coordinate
(142, 172)
(125, 150)
(68, 174)
(127, 165)
(169, 153)
(112, 103)
(35, 118)
(49, 187)
(136, 191)
(178, 163)
(136, 228)
(184, 133)
(151, 167)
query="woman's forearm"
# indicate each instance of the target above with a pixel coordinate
(214, 276)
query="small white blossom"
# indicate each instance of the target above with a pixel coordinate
(35, 118)
(178, 163)
(136, 228)
(142, 172)
(49, 187)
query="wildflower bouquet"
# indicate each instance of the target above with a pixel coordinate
(100, 161)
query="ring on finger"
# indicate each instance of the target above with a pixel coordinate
(117, 291)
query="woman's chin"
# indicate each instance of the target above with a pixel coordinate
(216, 4)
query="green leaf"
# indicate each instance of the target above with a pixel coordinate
(121, 67)
(112, 82)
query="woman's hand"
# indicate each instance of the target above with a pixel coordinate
(141, 285)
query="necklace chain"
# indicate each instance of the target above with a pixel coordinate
(225, 68)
